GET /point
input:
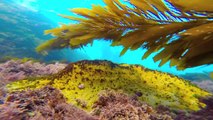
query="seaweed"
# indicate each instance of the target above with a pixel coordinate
(151, 24)
(81, 82)
(46, 103)
(113, 105)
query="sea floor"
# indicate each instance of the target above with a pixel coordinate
(49, 103)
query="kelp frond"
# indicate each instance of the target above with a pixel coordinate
(180, 31)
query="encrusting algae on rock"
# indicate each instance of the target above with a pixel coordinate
(81, 82)
(46, 103)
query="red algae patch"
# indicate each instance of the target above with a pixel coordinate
(43, 104)
(113, 105)
(16, 69)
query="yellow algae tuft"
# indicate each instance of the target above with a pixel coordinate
(30, 83)
(81, 82)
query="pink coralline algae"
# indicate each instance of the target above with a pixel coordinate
(15, 70)
(205, 84)
(43, 104)
(118, 106)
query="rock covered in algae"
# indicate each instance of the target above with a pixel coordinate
(113, 105)
(203, 114)
(205, 84)
(20, 69)
(153, 87)
(49, 103)
(43, 104)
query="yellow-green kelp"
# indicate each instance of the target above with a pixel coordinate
(81, 83)
(184, 39)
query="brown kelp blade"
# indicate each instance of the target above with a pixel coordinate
(150, 24)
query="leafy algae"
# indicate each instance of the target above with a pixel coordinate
(193, 26)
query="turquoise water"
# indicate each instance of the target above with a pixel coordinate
(100, 49)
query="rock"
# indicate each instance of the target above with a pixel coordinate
(81, 86)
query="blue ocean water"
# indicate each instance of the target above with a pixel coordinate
(100, 49)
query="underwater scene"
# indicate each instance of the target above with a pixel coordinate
(106, 60)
